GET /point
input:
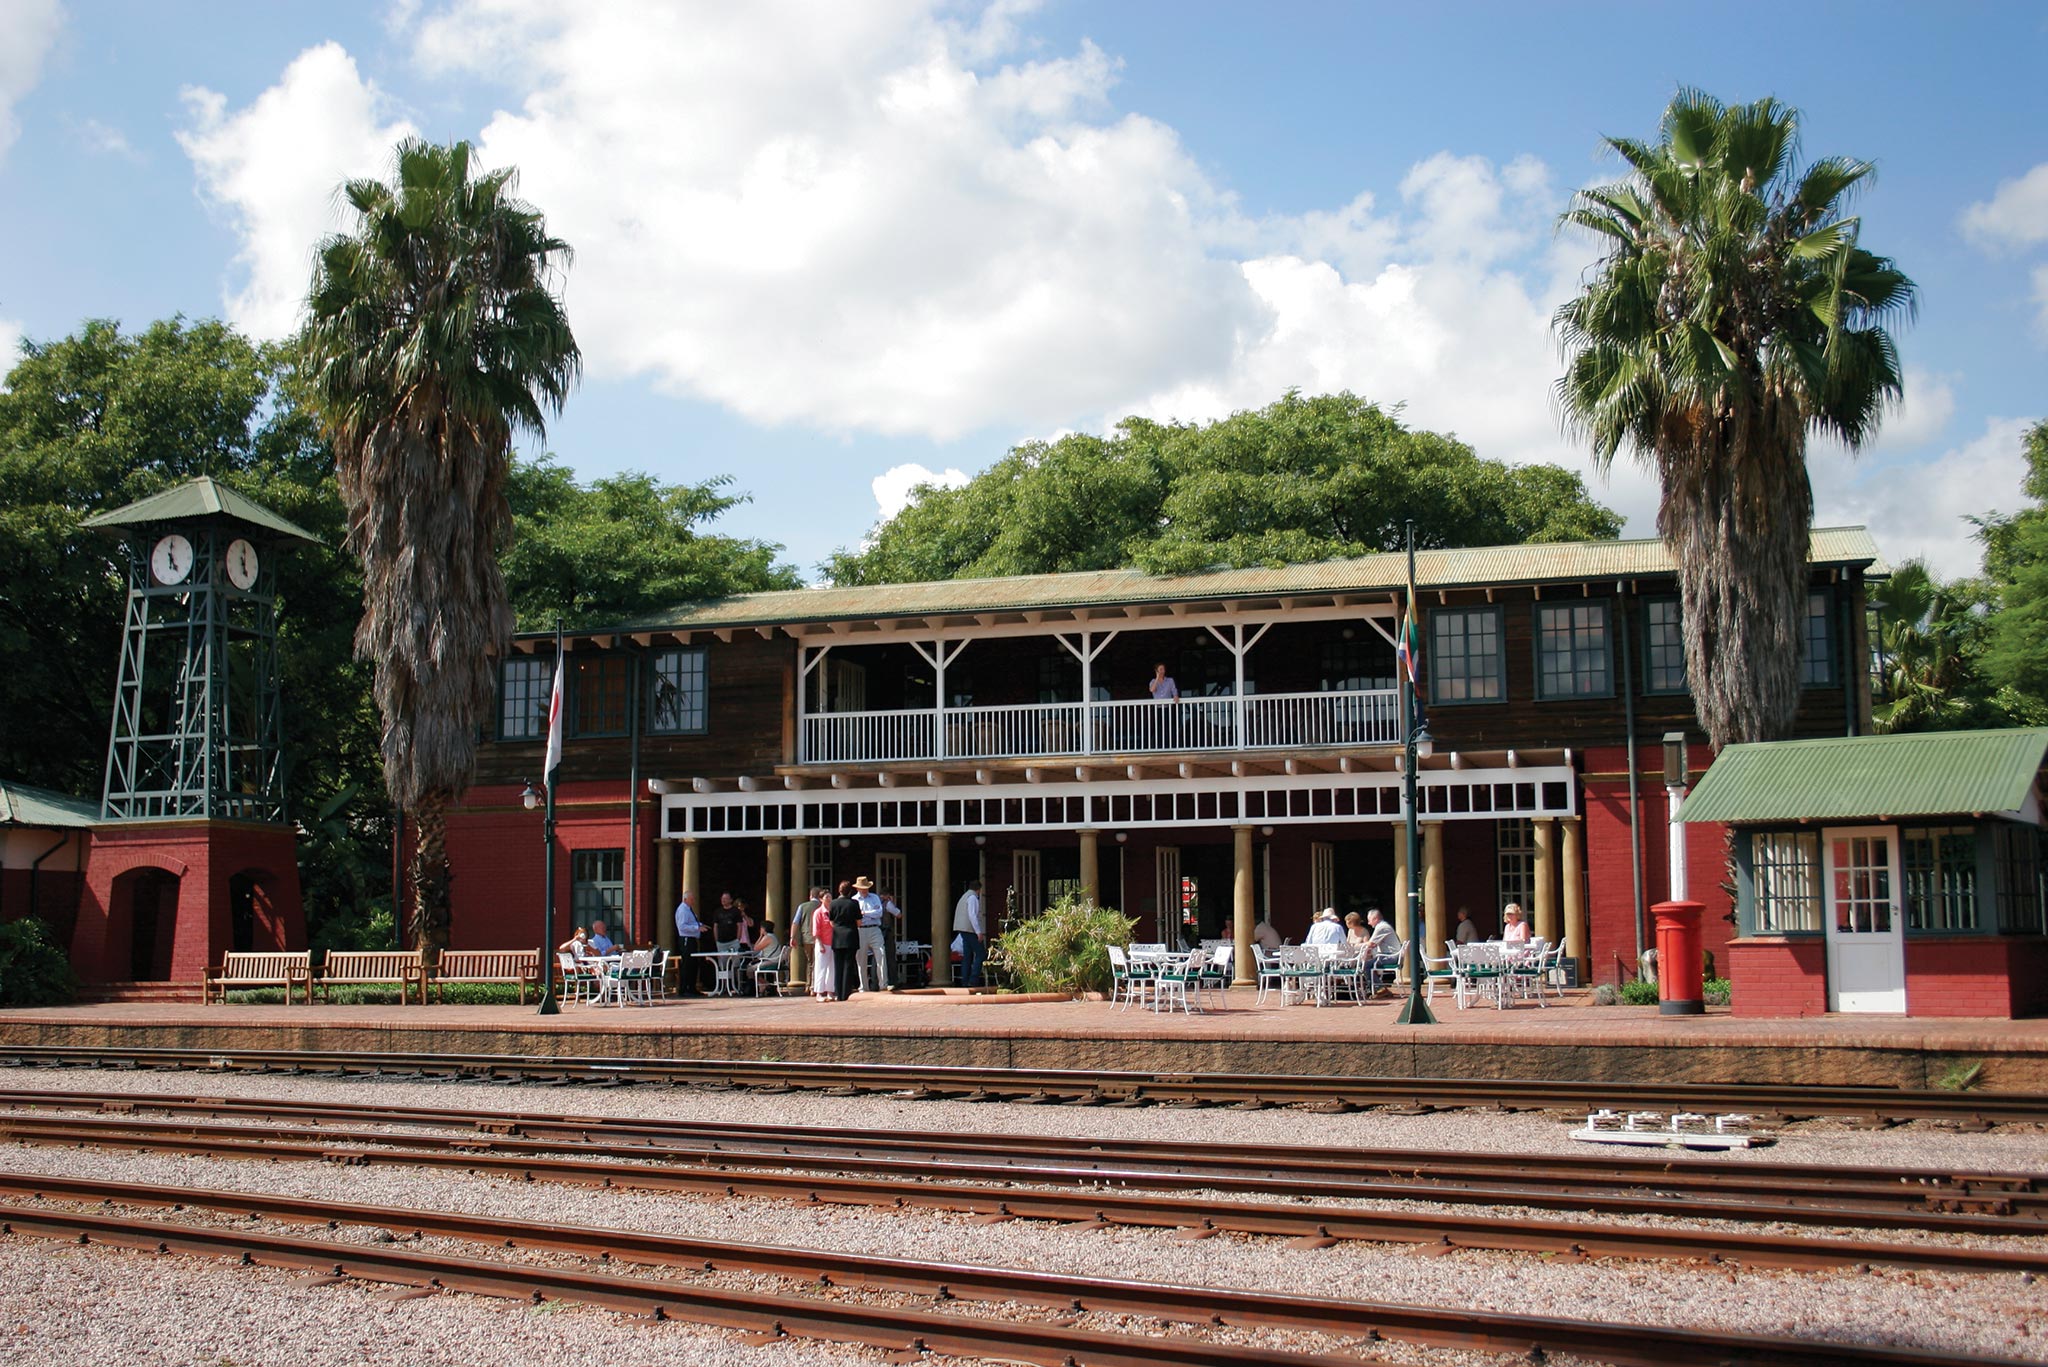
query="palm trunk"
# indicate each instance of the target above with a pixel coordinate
(430, 873)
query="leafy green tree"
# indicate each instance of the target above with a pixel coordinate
(1301, 479)
(1733, 314)
(434, 334)
(624, 546)
(2016, 560)
(1926, 641)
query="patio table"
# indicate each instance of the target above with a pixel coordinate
(725, 967)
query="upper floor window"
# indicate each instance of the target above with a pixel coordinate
(1571, 651)
(1785, 872)
(1663, 646)
(1464, 659)
(1816, 641)
(597, 693)
(1941, 878)
(524, 683)
(675, 695)
(1357, 666)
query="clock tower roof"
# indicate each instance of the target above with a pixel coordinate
(204, 499)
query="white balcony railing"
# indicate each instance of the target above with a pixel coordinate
(1269, 721)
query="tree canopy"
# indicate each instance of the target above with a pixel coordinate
(2016, 559)
(1733, 313)
(1302, 479)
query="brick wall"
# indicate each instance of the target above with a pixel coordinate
(195, 864)
(1975, 975)
(1778, 976)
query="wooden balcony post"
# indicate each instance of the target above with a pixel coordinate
(942, 909)
(1547, 925)
(1241, 907)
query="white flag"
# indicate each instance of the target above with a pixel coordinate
(554, 727)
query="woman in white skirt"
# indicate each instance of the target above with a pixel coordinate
(821, 950)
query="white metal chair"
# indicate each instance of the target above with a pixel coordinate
(579, 981)
(1128, 981)
(1384, 968)
(768, 970)
(1524, 970)
(632, 977)
(1441, 971)
(1267, 968)
(1481, 971)
(1301, 973)
(1173, 980)
(1216, 968)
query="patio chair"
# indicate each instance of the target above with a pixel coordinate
(1216, 969)
(768, 971)
(1301, 974)
(579, 981)
(661, 958)
(1267, 966)
(1128, 982)
(1480, 971)
(632, 977)
(1386, 967)
(1344, 973)
(1440, 971)
(1524, 969)
(1172, 983)
(1551, 974)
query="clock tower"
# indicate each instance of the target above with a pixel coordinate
(193, 856)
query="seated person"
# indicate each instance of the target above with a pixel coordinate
(1264, 936)
(1513, 930)
(577, 946)
(600, 941)
(1355, 931)
(1467, 933)
(768, 943)
(1380, 937)
(1327, 930)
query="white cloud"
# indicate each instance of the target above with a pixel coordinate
(275, 168)
(1920, 509)
(894, 486)
(28, 30)
(11, 333)
(2015, 216)
(106, 140)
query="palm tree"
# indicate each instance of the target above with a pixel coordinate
(1925, 642)
(434, 334)
(1732, 315)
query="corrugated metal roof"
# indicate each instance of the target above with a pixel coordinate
(21, 805)
(1559, 562)
(195, 499)
(1938, 773)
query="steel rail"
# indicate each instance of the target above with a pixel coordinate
(1532, 1188)
(1310, 1225)
(1533, 1337)
(2013, 1192)
(1879, 1103)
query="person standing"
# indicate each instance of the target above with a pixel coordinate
(725, 925)
(970, 925)
(845, 918)
(821, 945)
(688, 928)
(874, 970)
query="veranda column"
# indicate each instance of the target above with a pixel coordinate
(1241, 907)
(1435, 932)
(775, 896)
(942, 909)
(1575, 942)
(799, 891)
(1545, 910)
(1091, 867)
(1401, 926)
(665, 893)
(691, 876)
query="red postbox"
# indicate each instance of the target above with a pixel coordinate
(1681, 960)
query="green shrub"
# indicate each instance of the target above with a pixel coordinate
(1636, 992)
(1719, 991)
(33, 970)
(1063, 949)
(1605, 995)
(458, 994)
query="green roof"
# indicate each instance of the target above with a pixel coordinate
(21, 805)
(1938, 773)
(196, 499)
(1558, 562)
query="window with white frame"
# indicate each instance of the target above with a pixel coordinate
(1571, 651)
(1941, 877)
(1816, 641)
(1464, 659)
(1663, 646)
(1785, 873)
(524, 683)
(1515, 847)
(675, 695)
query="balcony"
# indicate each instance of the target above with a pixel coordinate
(1269, 721)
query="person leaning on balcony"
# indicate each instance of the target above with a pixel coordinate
(1162, 687)
(969, 925)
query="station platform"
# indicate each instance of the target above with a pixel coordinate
(1571, 1040)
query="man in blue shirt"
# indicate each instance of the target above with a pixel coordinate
(688, 928)
(600, 941)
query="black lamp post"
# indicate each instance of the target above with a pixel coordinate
(549, 1006)
(1417, 744)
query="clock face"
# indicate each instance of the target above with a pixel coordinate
(171, 561)
(241, 564)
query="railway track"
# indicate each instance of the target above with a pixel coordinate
(1994, 1203)
(1875, 1105)
(932, 1325)
(1309, 1223)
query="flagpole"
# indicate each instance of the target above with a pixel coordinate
(1413, 735)
(549, 1006)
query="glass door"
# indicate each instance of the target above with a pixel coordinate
(1866, 944)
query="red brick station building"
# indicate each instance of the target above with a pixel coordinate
(1002, 730)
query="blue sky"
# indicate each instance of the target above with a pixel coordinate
(830, 249)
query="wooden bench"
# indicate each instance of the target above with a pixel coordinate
(275, 968)
(369, 967)
(517, 967)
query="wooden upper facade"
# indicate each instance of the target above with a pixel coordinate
(1529, 653)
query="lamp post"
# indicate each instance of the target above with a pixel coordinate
(1417, 744)
(531, 799)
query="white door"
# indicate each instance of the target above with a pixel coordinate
(1027, 883)
(1866, 943)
